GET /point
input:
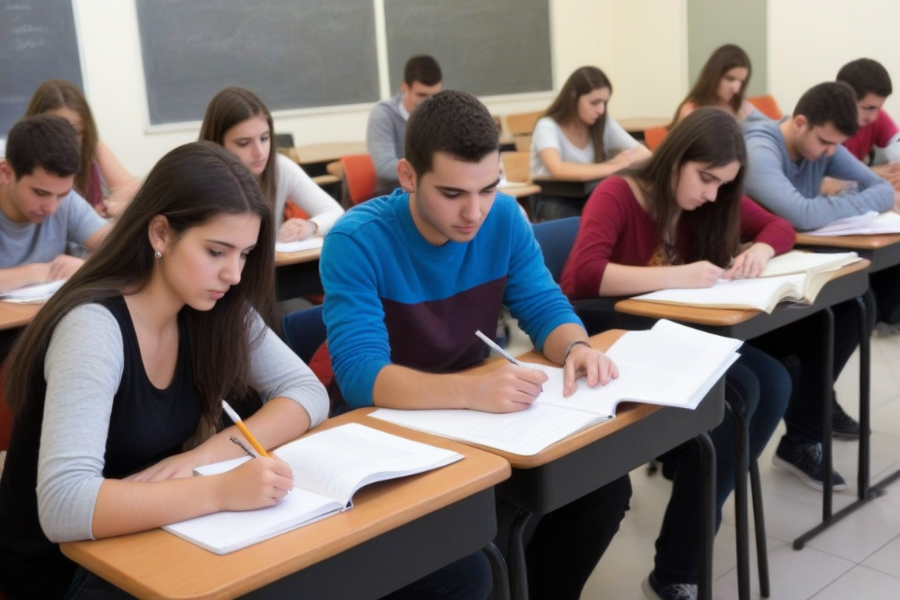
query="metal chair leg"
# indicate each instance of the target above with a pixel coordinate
(759, 522)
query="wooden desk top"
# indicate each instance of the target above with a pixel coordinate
(292, 258)
(719, 317)
(851, 242)
(643, 123)
(157, 564)
(323, 153)
(17, 315)
(582, 178)
(520, 190)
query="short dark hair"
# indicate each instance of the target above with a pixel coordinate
(45, 141)
(866, 76)
(422, 68)
(453, 122)
(830, 102)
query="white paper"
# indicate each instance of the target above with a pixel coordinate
(739, 293)
(870, 223)
(796, 261)
(307, 244)
(40, 292)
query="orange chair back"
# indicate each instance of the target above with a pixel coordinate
(654, 136)
(767, 106)
(359, 177)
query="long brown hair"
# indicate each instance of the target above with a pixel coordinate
(706, 89)
(230, 107)
(565, 106)
(59, 93)
(189, 186)
(712, 137)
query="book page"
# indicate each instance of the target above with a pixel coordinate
(870, 223)
(756, 293)
(796, 261)
(524, 433)
(307, 244)
(40, 292)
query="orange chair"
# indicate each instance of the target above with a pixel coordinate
(767, 106)
(654, 136)
(359, 177)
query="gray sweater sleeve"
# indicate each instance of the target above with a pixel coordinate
(275, 371)
(381, 144)
(767, 184)
(83, 369)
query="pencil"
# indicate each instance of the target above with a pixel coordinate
(243, 428)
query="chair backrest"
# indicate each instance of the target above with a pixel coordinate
(766, 105)
(284, 140)
(523, 143)
(516, 165)
(523, 123)
(359, 177)
(556, 239)
(304, 331)
(654, 136)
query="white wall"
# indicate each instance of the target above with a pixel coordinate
(810, 40)
(612, 34)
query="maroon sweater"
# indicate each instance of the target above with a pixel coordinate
(615, 229)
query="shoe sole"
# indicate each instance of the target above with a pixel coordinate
(842, 435)
(809, 481)
(649, 592)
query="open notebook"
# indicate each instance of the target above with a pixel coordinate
(328, 468)
(870, 223)
(795, 276)
(31, 294)
(670, 365)
(307, 244)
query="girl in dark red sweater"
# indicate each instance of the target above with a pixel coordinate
(680, 220)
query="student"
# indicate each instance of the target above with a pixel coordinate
(127, 364)
(787, 162)
(40, 213)
(408, 280)
(238, 120)
(99, 171)
(387, 122)
(877, 131)
(578, 138)
(722, 83)
(680, 221)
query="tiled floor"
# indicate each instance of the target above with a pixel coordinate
(859, 558)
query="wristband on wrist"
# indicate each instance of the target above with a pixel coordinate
(572, 345)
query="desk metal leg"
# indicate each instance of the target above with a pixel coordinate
(499, 573)
(759, 519)
(741, 466)
(518, 573)
(708, 524)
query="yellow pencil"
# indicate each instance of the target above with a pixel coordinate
(243, 428)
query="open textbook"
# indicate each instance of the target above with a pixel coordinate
(307, 244)
(670, 365)
(794, 276)
(31, 294)
(869, 223)
(328, 467)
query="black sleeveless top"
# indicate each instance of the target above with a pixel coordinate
(146, 425)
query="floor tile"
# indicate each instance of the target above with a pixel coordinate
(886, 559)
(862, 582)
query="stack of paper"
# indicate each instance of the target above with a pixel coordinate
(670, 365)
(870, 223)
(307, 244)
(32, 294)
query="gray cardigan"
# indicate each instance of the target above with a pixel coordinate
(384, 140)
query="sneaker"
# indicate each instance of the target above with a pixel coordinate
(674, 591)
(843, 426)
(886, 330)
(805, 461)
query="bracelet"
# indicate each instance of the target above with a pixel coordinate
(572, 345)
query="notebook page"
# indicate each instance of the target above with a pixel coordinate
(307, 244)
(524, 433)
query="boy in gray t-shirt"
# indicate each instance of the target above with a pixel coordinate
(40, 213)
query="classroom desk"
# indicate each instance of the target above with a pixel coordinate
(297, 274)
(600, 454)
(520, 190)
(882, 251)
(13, 318)
(397, 532)
(636, 126)
(848, 283)
(571, 187)
(314, 157)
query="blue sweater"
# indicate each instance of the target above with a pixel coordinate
(791, 190)
(391, 297)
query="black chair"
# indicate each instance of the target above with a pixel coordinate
(284, 140)
(556, 239)
(304, 331)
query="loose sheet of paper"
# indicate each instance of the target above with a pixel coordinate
(307, 244)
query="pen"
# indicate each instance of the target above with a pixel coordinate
(500, 350)
(243, 447)
(240, 425)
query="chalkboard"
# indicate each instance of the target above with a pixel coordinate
(38, 42)
(486, 47)
(292, 53)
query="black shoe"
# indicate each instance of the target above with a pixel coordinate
(843, 426)
(805, 461)
(674, 591)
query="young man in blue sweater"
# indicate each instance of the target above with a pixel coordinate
(787, 163)
(408, 280)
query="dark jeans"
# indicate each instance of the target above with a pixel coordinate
(762, 386)
(550, 208)
(468, 578)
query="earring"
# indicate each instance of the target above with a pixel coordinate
(157, 254)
